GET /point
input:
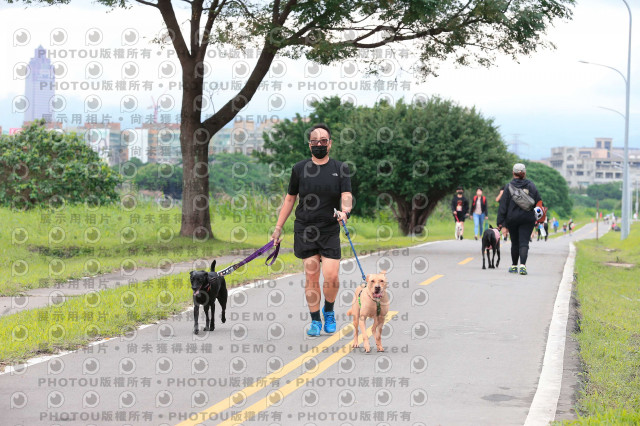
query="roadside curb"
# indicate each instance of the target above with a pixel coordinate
(545, 402)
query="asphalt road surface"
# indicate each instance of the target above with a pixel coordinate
(462, 346)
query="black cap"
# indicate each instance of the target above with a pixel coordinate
(459, 188)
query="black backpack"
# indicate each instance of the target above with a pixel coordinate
(521, 198)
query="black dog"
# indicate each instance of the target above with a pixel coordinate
(491, 241)
(207, 287)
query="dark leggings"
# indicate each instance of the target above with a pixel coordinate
(520, 234)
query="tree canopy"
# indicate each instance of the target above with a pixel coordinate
(232, 173)
(405, 157)
(40, 166)
(602, 191)
(552, 186)
(160, 177)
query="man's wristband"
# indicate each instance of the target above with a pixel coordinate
(348, 214)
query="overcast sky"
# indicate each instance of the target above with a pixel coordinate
(548, 99)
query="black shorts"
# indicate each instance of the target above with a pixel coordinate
(311, 242)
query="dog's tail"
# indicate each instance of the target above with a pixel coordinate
(213, 266)
(490, 227)
(350, 312)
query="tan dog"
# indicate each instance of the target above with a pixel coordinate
(370, 301)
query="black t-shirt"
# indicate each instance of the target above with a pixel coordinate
(319, 188)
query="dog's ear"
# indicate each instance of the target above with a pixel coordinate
(213, 266)
(191, 273)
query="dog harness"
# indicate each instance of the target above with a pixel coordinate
(273, 256)
(497, 233)
(377, 301)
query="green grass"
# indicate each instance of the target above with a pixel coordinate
(80, 320)
(609, 336)
(112, 312)
(40, 247)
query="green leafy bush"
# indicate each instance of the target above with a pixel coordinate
(40, 166)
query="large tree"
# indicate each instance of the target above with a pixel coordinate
(404, 157)
(552, 186)
(466, 31)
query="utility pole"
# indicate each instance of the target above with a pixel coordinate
(597, 217)
(637, 181)
(516, 143)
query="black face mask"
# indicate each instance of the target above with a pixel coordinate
(459, 193)
(319, 151)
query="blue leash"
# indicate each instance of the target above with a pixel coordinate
(346, 231)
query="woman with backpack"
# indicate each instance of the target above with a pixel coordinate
(520, 209)
(479, 209)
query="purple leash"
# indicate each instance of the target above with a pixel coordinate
(256, 254)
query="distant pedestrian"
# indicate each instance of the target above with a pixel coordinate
(542, 230)
(460, 209)
(571, 225)
(480, 213)
(516, 213)
(564, 228)
(556, 224)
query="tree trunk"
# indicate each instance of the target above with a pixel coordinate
(194, 144)
(412, 216)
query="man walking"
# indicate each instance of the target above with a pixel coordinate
(322, 184)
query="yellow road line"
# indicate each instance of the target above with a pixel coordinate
(293, 385)
(467, 260)
(432, 279)
(267, 380)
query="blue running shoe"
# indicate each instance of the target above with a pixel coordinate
(329, 321)
(315, 328)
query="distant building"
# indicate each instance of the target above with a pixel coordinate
(221, 141)
(601, 163)
(244, 137)
(39, 87)
(163, 142)
(105, 139)
(136, 142)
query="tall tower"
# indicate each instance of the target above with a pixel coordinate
(39, 86)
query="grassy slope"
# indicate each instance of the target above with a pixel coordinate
(237, 224)
(80, 320)
(609, 336)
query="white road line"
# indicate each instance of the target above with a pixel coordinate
(353, 259)
(37, 360)
(545, 402)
